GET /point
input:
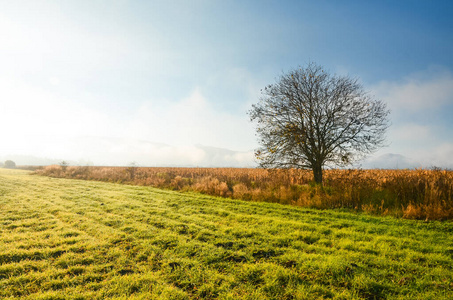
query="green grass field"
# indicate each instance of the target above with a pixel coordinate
(70, 239)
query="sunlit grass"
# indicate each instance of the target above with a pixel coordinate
(71, 239)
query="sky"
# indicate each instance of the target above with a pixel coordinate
(170, 82)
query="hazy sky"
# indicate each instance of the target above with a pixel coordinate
(183, 73)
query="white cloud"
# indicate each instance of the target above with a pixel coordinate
(440, 155)
(429, 90)
(192, 120)
(411, 132)
(54, 80)
(37, 122)
(419, 131)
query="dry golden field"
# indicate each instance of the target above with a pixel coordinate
(416, 194)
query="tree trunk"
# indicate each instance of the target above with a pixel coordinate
(317, 172)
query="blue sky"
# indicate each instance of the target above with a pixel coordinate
(184, 73)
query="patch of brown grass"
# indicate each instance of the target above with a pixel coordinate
(419, 194)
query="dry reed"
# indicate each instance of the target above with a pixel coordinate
(418, 194)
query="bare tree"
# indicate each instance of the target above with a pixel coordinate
(311, 119)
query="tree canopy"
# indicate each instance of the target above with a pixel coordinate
(9, 164)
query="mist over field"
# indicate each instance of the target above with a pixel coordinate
(91, 151)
